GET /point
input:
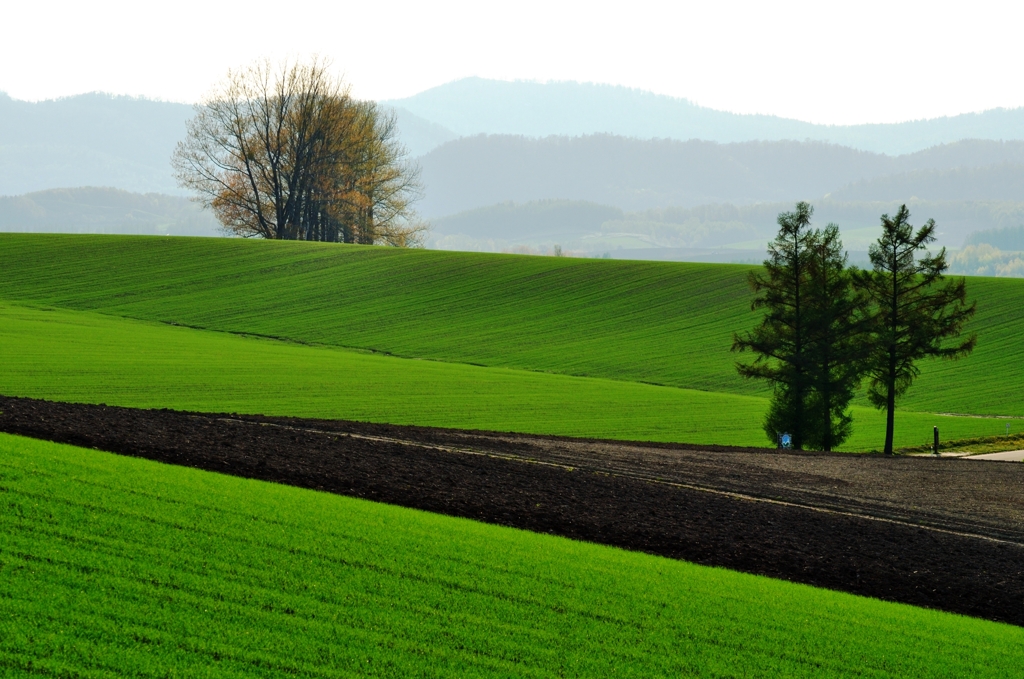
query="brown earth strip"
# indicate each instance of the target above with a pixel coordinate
(946, 534)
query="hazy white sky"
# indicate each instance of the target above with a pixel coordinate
(839, 62)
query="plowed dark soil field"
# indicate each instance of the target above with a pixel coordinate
(941, 533)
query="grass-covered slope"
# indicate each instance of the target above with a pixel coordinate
(92, 358)
(641, 321)
(112, 566)
(666, 323)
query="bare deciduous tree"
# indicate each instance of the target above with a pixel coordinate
(286, 153)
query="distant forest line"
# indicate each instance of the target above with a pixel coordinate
(105, 210)
(734, 232)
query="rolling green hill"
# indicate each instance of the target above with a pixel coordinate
(663, 323)
(113, 566)
(639, 321)
(90, 358)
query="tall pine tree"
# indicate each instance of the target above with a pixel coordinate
(837, 319)
(811, 344)
(779, 342)
(917, 313)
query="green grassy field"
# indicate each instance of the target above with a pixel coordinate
(657, 322)
(117, 567)
(624, 324)
(93, 358)
(621, 320)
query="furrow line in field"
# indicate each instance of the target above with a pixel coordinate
(625, 473)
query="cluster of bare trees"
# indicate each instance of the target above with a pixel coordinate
(285, 152)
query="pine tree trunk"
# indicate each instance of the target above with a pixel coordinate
(890, 401)
(827, 404)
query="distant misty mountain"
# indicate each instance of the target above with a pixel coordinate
(418, 135)
(649, 189)
(124, 142)
(473, 106)
(89, 140)
(633, 174)
(105, 210)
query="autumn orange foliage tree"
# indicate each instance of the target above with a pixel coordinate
(285, 152)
